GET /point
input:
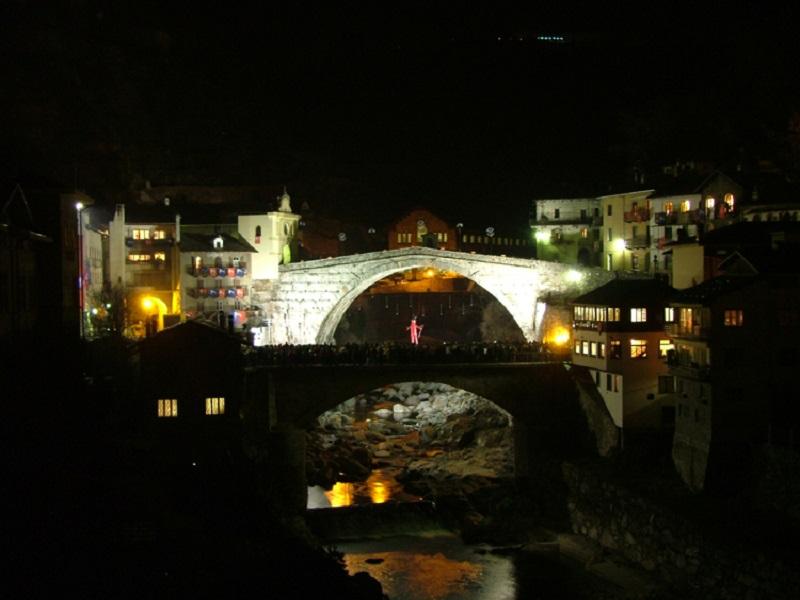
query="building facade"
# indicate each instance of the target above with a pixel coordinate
(274, 236)
(619, 337)
(734, 365)
(216, 278)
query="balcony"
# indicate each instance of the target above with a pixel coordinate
(568, 220)
(218, 293)
(688, 370)
(679, 331)
(638, 215)
(679, 218)
(639, 241)
(217, 272)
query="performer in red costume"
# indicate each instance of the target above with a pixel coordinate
(415, 330)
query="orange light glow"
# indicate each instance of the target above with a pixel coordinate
(559, 336)
(341, 494)
(378, 490)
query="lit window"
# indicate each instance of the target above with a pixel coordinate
(139, 257)
(160, 256)
(615, 349)
(734, 317)
(638, 315)
(710, 203)
(399, 238)
(613, 313)
(638, 348)
(664, 346)
(585, 347)
(141, 234)
(584, 232)
(159, 234)
(167, 407)
(686, 205)
(577, 346)
(215, 406)
(601, 350)
(669, 314)
(730, 201)
(668, 207)
(593, 348)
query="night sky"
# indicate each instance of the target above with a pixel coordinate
(367, 112)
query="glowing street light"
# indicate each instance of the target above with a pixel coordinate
(542, 236)
(573, 276)
(619, 245)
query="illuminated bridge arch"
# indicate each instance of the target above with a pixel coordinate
(308, 300)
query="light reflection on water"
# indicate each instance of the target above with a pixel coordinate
(380, 487)
(436, 568)
(442, 567)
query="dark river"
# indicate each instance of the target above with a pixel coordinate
(441, 567)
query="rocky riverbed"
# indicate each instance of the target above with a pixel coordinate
(443, 445)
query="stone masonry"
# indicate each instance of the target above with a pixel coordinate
(308, 299)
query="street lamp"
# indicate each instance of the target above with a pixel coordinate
(79, 206)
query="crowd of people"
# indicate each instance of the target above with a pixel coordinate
(402, 353)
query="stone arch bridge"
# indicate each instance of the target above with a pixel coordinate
(308, 299)
(282, 402)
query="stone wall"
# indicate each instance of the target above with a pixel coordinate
(307, 301)
(689, 557)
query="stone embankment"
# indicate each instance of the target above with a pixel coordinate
(692, 557)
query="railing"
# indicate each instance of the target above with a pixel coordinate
(640, 215)
(639, 241)
(678, 330)
(691, 370)
(390, 353)
(219, 293)
(679, 218)
(218, 272)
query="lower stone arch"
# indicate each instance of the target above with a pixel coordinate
(483, 423)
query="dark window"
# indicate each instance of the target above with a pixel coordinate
(583, 213)
(615, 349)
(666, 384)
(608, 381)
(609, 210)
(557, 213)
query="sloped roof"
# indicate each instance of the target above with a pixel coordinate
(627, 292)
(204, 242)
(707, 291)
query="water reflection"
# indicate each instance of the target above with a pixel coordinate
(380, 487)
(435, 575)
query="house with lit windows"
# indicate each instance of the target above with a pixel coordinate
(734, 363)
(190, 404)
(619, 337)
(568, 230)
(216, 278)
(144, 260)
(421, 227)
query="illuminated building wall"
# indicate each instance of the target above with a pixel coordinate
(619, 335)
(568, 230)
(273, 234)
